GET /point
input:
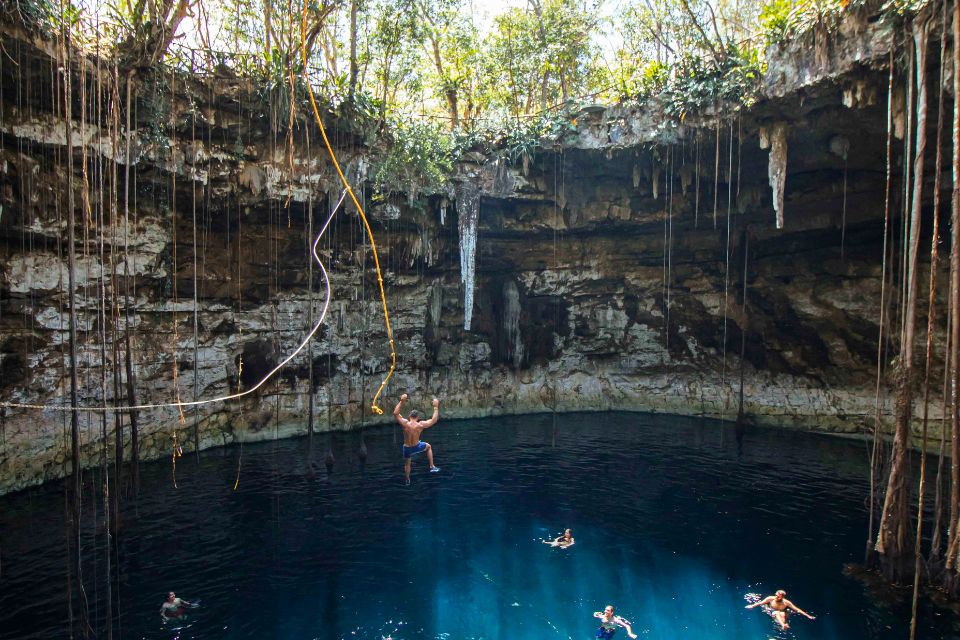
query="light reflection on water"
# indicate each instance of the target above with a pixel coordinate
(675, 522)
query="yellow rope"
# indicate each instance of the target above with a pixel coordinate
(373, 245)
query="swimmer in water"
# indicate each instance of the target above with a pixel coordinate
(562, 541)
(779, 605)
(174, 607)
(412, 427)
(609, 624)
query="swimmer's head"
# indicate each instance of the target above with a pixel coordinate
(171, 596)
(414, 415)
(780, 593)
(608, 610)
(567, 534)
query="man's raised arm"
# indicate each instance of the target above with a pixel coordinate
(436, 415)
(396, 410)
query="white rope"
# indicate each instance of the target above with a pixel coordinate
(234, 396)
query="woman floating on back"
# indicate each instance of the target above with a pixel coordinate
(563, 541)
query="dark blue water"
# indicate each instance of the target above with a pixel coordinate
(675, 523)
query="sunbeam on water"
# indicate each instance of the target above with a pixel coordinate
(676, 522)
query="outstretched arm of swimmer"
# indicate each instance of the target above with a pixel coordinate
(790, 605)
(436, 415)
(396, 411)
(766, 600)
(626, 625)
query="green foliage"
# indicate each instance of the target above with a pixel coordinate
(778, 21)
(40, 15)
(698, 83)
(542, 57)
(427, 81)
(782, 20)
(418, 159)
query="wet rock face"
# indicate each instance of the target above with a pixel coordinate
(627, 273)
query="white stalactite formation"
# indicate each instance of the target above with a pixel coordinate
(468, 212)
(776, 139)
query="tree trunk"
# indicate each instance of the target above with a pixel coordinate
(354, 69)
(952, 537)
(894, 539)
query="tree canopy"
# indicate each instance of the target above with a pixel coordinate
(451, 67)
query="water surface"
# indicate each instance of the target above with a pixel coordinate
(676, 520)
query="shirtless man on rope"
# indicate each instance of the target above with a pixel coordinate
(412, 427)
(779, 605)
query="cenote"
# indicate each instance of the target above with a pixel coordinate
(234, 233)
(675, 521)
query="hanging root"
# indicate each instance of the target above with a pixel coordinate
(373, 245)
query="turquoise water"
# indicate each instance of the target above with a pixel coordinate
(676, 520)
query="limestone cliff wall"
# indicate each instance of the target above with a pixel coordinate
(608, 268)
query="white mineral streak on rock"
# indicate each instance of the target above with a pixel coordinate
(468, 211)
(777, 169)
(511, 322)
(435, 308)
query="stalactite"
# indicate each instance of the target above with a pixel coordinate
(468, 210)
(777, 167)
(893, 538)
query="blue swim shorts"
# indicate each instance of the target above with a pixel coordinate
(409, 452)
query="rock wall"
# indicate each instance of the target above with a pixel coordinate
(627, 266)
